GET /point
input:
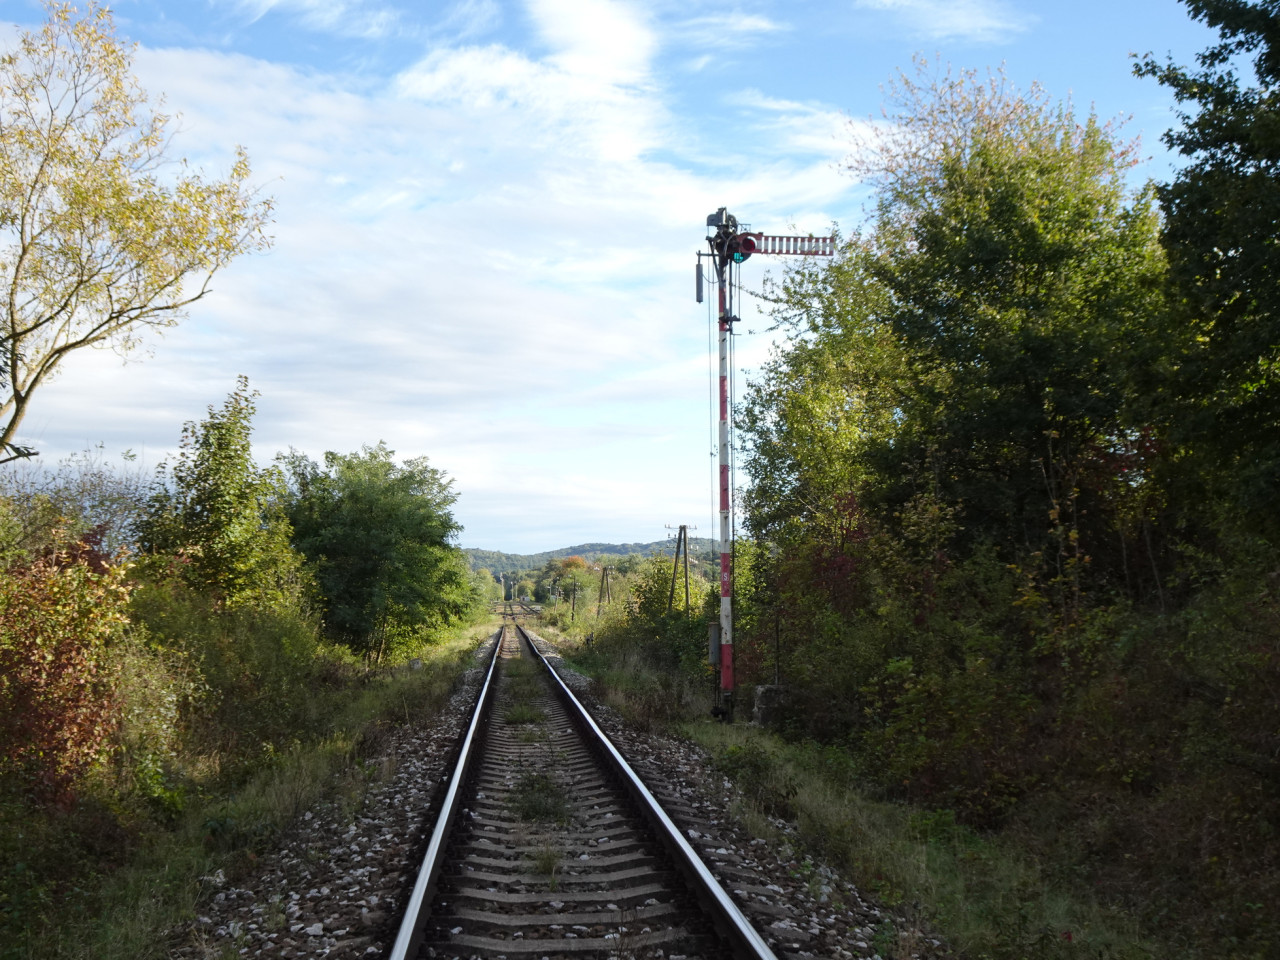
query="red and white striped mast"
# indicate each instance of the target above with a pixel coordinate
(729, 245)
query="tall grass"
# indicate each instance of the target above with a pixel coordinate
(982, 895)
(107, 878)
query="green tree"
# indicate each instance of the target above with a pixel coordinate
(485, 585)
(102, 236)
(577, 583)
(946, 453)
(1222, 232)
(220, 518)
(380, 534)
(981, 346)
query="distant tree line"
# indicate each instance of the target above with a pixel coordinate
(613, 553)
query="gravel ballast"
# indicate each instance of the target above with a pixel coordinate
(335, 886)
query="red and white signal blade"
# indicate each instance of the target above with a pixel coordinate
(795, 246)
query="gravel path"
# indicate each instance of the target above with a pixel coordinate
(335, 886)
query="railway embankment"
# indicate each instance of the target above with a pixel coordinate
(338, 881)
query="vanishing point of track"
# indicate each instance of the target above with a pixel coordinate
(549, 846)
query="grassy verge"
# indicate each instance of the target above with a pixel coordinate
(121, 909)
(983, 895)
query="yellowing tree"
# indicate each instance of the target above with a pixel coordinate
(101, 236)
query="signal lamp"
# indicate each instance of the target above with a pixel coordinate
(742, 246)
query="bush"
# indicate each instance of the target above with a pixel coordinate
(250, 670)
(59, 618)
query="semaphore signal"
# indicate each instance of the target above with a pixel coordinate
(730, 245)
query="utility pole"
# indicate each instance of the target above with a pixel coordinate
(731, 245)
(604, 595)
(682, 540)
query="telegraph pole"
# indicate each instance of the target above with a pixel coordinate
(732, 245)
(605, 594)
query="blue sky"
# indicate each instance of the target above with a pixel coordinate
(487, 212)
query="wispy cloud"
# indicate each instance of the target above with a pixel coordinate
(347, 18)
(469, 18)
(797, 127)
(980, 21)
(724, 31)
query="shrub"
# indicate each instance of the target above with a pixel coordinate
(58, 619)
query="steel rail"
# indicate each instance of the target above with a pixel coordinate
(729, 920)
(410, 937)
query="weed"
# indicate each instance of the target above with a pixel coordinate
(238, 797)
(546, 861)
(885, 940)
(761, 778)
(522, 713)
(539, 797)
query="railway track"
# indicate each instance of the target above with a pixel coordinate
(515, 609)
(548, 846)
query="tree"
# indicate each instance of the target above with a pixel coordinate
(380, 535)
(221, 517)
(1222, 233)
(980, 347)
(101, 239)
(946, 452)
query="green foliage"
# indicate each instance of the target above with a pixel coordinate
(380, 535)
(760, 777)
(981, 347)
(675, 637)
(1005, 560)
(256, 668)
(1221, 216)
(98, 238)
(981, 895)
(160, 694)
(113, 878)
(219, 522)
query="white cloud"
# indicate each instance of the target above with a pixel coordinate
(483, 261)
(980, 21)
(799, 128)
(724, 31)
(467, 18)
(347, 18)
(600, 41)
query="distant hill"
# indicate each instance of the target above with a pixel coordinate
(499, 562)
